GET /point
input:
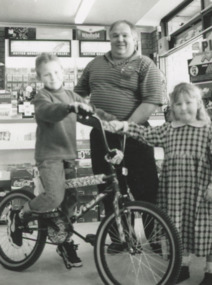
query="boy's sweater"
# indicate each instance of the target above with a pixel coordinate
(56, 126)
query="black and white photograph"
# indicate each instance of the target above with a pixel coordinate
(106, 142)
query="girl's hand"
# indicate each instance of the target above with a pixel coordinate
(208, 194)
(116, 158)
(115, 126)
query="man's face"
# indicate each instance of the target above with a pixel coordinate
(123, 41)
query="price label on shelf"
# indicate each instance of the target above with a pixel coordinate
(83, 154)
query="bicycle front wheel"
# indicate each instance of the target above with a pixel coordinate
(151, 253)
(33, 234)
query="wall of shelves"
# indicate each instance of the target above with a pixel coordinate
(18, 136)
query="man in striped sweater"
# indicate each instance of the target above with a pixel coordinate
(127, 85)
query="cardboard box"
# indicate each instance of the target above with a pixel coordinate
(87, 191)
(90, 216)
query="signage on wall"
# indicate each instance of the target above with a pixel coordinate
(91, 33)
(207, 95)
(93, 48)
(20, 33)
(207, 45)
(60, 48)
(188, 34)
(200, 67)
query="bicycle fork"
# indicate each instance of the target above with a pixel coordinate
(117, 212)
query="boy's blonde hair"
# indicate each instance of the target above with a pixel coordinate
(44, 58)
(193, 92)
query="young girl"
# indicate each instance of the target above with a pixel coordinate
(185, 188)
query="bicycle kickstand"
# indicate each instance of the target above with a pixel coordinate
(65, 259)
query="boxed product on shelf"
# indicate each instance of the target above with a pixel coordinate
(5, 111)
(5, 97)
(22, 178)
(84, 171)
(5, 181)
(83, 163)
(87, 191)
(91, 216)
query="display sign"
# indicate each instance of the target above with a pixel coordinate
(27, 109)
(207, 95)
(20, 33)
(91, 33)
(93, 48)
(188, 34)
(200, 67)
(60, 48)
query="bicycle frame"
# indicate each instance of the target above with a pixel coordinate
(88, 181)
(100, 179)
(94, 180)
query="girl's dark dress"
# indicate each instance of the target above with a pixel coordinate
(186, 173)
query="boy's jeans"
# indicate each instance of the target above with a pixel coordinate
(53, 174)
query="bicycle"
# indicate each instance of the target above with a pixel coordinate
(155, 259)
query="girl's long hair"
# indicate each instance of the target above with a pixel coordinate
(193, 92)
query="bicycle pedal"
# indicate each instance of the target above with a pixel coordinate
(91, 238)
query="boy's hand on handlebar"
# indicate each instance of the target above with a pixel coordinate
(82, 109)
(115, 126)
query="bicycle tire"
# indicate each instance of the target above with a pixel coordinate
(142, 260)
(34, 237)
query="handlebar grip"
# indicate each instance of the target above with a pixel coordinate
(112, 153)
(84, 113)
(71, 108)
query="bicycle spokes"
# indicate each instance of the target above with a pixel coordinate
(148, 255)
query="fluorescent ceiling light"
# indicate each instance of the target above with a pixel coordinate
(83, 11)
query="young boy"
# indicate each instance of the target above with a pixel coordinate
(55, 148)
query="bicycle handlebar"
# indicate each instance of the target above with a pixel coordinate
(93, 120)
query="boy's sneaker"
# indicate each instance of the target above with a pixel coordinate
(67, 251)
(13, 229)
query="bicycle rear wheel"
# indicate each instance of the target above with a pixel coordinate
(151, 254)
(33, 235)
